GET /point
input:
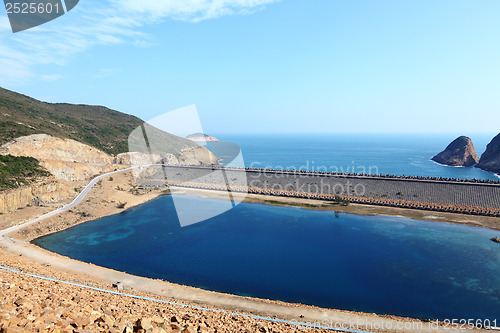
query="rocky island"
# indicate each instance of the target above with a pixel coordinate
(460, 152)
(490, 160)
(200, 137)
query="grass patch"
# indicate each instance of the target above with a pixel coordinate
(18, 171)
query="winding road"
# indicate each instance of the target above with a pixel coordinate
(59, 210)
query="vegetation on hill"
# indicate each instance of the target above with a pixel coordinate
(17, 171)
(97, 126)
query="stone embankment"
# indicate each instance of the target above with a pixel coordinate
(373, 176)
(460, 209)
(477, 197)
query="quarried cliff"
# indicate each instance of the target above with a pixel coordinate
(36, 194)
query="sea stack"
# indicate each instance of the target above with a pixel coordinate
(460, 152)
(490, 160)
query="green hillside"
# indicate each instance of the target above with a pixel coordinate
(97, 126)
(16, 171)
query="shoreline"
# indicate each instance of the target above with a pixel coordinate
(492, 223)
(90, 210)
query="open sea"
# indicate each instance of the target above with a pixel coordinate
(381, 264)
(398, 154)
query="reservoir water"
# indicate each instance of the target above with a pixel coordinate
(381, 264)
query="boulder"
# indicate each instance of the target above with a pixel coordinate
(460, 152)
(490, 160)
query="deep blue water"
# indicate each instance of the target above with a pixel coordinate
(399, 154)
(387, 265)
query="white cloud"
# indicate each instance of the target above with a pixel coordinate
(100, 22)
(190, 10)
(15, 72)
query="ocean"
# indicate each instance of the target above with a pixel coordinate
(397, 154)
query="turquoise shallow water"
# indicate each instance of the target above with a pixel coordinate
(387, 265)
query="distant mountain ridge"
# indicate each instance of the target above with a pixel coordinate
(97, 126)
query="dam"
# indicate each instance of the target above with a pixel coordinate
(478, 197)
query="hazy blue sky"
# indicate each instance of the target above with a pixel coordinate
(271, 66)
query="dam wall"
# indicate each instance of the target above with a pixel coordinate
(425, 193)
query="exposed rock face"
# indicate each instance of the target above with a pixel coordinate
(46, 147)
(42, 192)
(190, 155)
(136, 158)
(69, 160)
(460, 152)
(66, 159)
(490, 160)
(197, 156)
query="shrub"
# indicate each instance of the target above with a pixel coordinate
(17, 171)
(121, 205)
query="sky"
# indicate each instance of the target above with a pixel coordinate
(271, 66)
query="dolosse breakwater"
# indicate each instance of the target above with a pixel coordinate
(476, 197)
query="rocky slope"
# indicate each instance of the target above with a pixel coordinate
(197, 156)
(16, 171)
(71, 161)
(39, 193)
(75, 143)
(63, 134)
(66, 159)
(97, 126)
(460, 152)
(33, 305)
(490, 160)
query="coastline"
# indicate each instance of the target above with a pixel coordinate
(103, 201)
